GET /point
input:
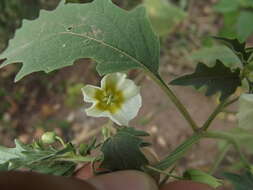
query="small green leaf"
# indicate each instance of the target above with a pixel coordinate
(245, 113)
(244, 25)
(217, 79)
(7, 154)
(163, 15)
(37, 159)
(239, 48)
(224, 6)
(117, 39)
(222, 53)
(122, 151)
(202, 177)
(240, 182)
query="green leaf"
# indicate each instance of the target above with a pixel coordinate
(78, 1)
(7, 154)
(246, 3)
(244, 25)
(122, 151)
(163, 15)
(12, 12)
(116, 39)
(222, 53)
(239, 48)
(245, 112)
(58, 169)
(202, 177)
(224, 6)
(229, 25)
(217, 79)
(240, 182)
(36, 159)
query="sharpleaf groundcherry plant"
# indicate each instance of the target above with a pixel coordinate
(119, 41)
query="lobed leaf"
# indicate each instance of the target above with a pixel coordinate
(218, 78)
(239, 48)
(116, 39)
(122, 151)
(12, 12)
(36, 159)
(222, 53)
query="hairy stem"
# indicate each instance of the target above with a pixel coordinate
(157, 78)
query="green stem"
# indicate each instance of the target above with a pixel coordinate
(179, 152)
(60, 140)
(163, 172)
(210, 119)
(230, 139)
(231, 102)
(157, 78)
(77, 159)
(217, 110)
(220, 157)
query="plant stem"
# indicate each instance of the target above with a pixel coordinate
(217, 110)
(220, 157)
(60, 140)
(163, 172)
(77, 159)
(179, 152)
(230, 139)
(158, 79)
(231, 102)
(210, 119)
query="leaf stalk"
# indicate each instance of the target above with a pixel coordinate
(158, 80)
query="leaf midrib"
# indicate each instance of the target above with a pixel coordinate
(108, 45)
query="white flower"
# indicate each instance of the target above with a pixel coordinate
(118, 98)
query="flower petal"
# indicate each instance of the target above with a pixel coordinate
(114, 79)
(89, 93)
(129, 89)
(95, 112)
(120, 82)
(128, 111)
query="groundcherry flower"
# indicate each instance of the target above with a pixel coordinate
(118, 98)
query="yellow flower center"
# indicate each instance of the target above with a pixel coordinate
(109, 99)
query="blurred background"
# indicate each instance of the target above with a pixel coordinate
(53, 102)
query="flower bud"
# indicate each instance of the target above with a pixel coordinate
(202, 177)
(48, 137)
